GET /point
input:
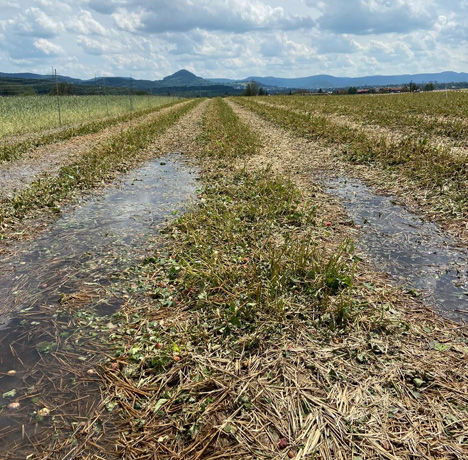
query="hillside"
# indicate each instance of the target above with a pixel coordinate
(182, 83)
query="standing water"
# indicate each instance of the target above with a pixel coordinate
(417, 254)
(84, 247)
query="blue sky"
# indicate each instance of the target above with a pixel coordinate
(233, 38)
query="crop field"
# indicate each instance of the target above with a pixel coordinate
(243, 278)
(421, 138)
(19, 115)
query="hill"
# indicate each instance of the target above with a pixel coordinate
(184, 78)
(182, 83)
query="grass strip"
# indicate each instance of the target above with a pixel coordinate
(14, 150)
(433, 169)
(118, 154)
(257, 341)
(224, 137)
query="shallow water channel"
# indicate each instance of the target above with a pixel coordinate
(417, 255)
(85, 247)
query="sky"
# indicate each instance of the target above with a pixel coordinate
(150, 39)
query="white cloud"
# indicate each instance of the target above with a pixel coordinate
(35, 23)
(48, 48)
(234, 38)
(93, 46)
(279, 45)
(184, 15)
(362, 17)
(330, 43)
(127, 20)
(6, 4)
(85, 24)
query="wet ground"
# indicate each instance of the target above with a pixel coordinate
(418, 255)
(85, 247)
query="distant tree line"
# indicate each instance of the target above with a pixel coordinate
(252, 89)
(31, 87)
(411, 87)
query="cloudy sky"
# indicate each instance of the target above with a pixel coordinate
(233, 38)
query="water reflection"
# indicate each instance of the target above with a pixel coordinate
(415, 253)
(84, 247)
(95, 239)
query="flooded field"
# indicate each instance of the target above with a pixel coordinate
(85, 247)
(95, 239)
(417, 254)
(236, 337)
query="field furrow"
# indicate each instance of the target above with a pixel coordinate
(457, 144)
(430, 113)
(100, 162)
(434, 176)
(277, 341)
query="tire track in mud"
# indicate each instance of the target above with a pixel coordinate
(16, 175)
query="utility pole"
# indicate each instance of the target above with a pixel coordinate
(105, 95)
(130, 94)
(58, 99)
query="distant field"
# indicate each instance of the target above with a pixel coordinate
(386, 108)
(25, 114)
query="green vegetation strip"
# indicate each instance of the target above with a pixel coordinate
(225, 138)
(14, 150)
(118, 154)
(257, 342)
(434, 169)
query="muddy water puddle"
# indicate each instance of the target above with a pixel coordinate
(417, 255)
(85, 248)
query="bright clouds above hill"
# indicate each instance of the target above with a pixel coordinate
(233, 38)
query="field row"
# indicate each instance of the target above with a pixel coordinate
(254, 331)
(429, 166)
(100, 161)
(425, 115)
(14, 147)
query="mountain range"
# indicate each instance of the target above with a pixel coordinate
(184, 81)
(331, 82)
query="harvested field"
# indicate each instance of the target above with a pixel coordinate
(255, 325)
(49, 158)
(432, 177)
